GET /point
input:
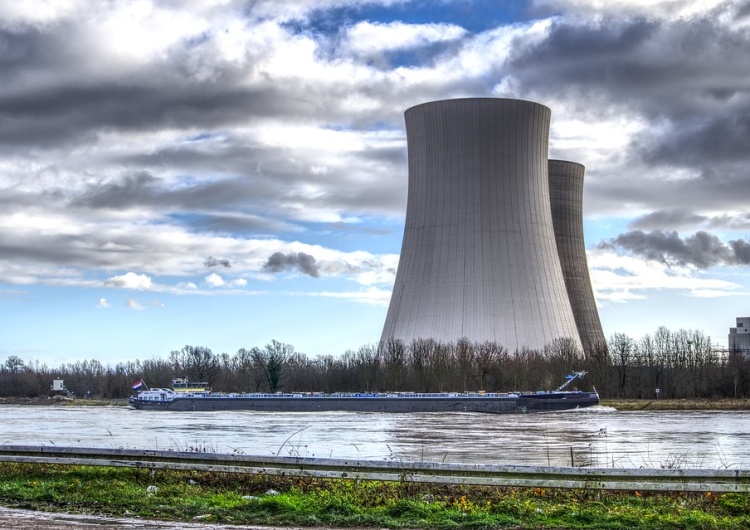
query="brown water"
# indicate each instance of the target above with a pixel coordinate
(600, 436)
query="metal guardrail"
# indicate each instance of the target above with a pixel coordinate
(692, 480)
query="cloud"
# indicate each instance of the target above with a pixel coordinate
(300, 261)
(370, 38)
(370, 296)
(701, 250)
(668, 219)
(669, 85)
(132, 303)
(665, 9)
(137, 136)
(214, 280)
(621, 278)
(214, 262)
(103, 304)
(129, 280)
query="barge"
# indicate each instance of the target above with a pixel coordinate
(485, 402)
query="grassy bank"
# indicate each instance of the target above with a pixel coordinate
(238, 499)
(59, 401)
(677, 404)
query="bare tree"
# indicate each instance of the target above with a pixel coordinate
(198, 363)
(14, 364)
(621, 348)
(393, 354)
(488, 357)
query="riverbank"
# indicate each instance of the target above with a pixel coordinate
(279, 501)
(677, 404)
(63, 401)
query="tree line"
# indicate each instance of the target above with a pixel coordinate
(681, 364)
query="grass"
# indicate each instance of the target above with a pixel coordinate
(677, 404)
(247, 499)
(64, 402)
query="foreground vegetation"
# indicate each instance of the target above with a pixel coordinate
(259, 499)
(681, 365)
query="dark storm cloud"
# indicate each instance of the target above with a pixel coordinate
(665, 67)
(741, 250)
(686, 76)
(732, 222)
(711, 141)
(63, 114)
(230, 206)
(279, 262)
(240, 223)
(702, 250)
(136, 188)
(680, 219)
(179, 133)
(48, 98)
(215, 262)
(586, 58)
(254, 181)
(50, 102)
(143, 189)
(663, 219)
(88, 250)
(33, 48)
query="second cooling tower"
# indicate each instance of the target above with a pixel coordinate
(566, 200)
(479, 258)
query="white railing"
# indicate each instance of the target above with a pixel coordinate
(694, 480)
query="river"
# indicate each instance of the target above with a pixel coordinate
(598, 437)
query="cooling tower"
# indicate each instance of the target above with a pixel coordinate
(479, 258)
(566, 199)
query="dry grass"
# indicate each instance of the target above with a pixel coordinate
(677, 404)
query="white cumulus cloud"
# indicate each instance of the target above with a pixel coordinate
(130, 280)
(214, 280)
(367, 37)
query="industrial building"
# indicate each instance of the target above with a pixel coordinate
(739, 336)
(480, 258)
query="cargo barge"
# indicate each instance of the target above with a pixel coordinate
(485, 402)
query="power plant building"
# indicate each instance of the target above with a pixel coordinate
(479, 258)
(739, 336)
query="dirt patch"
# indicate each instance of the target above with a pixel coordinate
(57, 400)
(14, 519)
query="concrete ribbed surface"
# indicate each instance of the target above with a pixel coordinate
(479, 258)
(566, 199)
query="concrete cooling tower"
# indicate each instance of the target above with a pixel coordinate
(479, 258)
(566, 200)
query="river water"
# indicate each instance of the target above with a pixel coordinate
(599, 436)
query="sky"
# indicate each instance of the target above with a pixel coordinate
(224, 173)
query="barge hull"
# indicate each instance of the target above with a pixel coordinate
(555, 401)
